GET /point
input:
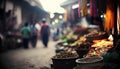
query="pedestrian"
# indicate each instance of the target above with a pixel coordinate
(34, 32)
(57, 32)
(25, 35)
(45, 32)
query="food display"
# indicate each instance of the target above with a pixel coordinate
(100, 47)
(78, 42)
(65, 54)
(83, 49)
(102, 43)
(64, 60)
(96, 36)
(94, 43)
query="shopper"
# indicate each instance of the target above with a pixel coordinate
(45, 32)
(34, 32)
(25, 35)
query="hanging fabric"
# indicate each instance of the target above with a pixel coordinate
(73, 15)
(109, 20)
(79, 9)
(118, 19)
(93, 9)
(66, 14)
(84, 10)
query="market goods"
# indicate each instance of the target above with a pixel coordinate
(64, 60)
(100, 47)
(79, 41)
(65, 54)
(103, 43)
(96, 36)
(83, 49)
(74, 44)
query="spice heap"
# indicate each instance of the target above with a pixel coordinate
(65, 54)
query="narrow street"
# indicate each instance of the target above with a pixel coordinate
(32, 58)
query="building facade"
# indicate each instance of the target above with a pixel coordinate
(21, 11)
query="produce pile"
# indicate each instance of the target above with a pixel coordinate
(90, 44)
(65, 54)
(100, 47)
(83, 49)
(76, 40)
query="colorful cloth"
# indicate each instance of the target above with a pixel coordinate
(109, 20)
(84, 8)
(79, 9)
(93, 8)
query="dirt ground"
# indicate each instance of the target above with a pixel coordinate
(32, 58)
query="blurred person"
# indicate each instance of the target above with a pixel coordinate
(45, 32)
(25, 35)
(58, 32)
(37, 25)
(56, 35)
(34, 32)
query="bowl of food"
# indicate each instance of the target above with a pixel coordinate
(83, 49)
(64, 60)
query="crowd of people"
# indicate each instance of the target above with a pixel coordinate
(30, 34)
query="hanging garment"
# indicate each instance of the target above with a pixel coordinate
(109, 20)
(73, 15)
(118, 19)
(93, 9)
(66, 15)
(84, 10)
(79, 9)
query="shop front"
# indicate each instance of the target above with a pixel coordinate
(91, 48)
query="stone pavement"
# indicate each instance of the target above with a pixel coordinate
(32, 58)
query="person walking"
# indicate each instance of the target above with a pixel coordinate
(45, 32)
(25, 35)
(34, 32)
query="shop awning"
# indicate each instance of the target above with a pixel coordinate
(69, 2)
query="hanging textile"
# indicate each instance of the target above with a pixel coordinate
(109, 20)
(118, 19)
(79, 9)
(93, 9)
(73, 15)
(65, 16)
(84, 10)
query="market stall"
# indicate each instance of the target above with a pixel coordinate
(92, 43)
(93, 47)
